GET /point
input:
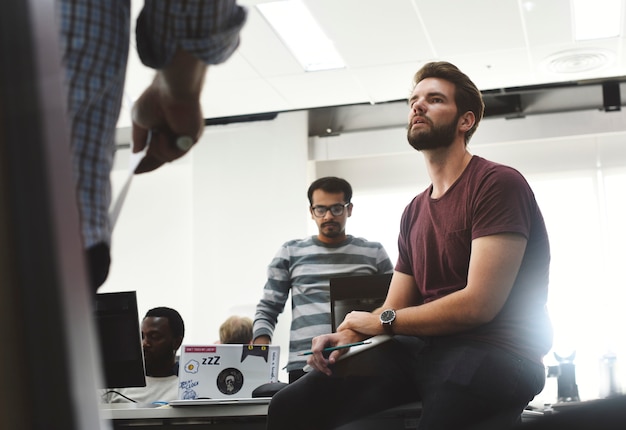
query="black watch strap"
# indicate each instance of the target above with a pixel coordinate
(387, 318)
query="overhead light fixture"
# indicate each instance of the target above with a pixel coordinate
(295, 25)
(595, 19)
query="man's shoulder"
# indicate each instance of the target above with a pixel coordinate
(299, 243)
(364, 243)
(492, 167)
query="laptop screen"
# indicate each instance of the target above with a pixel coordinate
(356, 293)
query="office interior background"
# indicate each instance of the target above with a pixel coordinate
(198, 233)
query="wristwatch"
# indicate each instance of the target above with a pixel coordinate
(387, 317)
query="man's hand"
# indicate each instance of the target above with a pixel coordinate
(365, 323)
(170, 108)
(320, 360)
(168, 121)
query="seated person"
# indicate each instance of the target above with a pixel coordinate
(162, 332)
(237, 330)
(467, 302)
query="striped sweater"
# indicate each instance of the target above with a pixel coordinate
(304, 267)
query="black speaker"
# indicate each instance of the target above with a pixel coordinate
(611, 98)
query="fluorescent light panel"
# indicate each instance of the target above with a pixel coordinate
(295, 25)
(596, 19)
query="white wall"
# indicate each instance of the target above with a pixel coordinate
(566, 158)
(382, 164)
(197, 234)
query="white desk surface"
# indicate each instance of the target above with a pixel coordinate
(131, 411)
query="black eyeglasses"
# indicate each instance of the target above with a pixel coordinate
(336, 210)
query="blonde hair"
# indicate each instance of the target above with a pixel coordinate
(236, 329)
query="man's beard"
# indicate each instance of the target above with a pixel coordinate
(440, 136)
(336, 232)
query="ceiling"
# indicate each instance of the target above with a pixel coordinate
(507, 47)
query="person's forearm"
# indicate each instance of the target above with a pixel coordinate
(262, 340)
(183, 78)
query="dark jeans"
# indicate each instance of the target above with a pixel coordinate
(294, 375)
(460, 384)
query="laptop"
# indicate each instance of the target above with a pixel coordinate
(219, 374)
(356, 293)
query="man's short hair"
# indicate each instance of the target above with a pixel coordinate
(466, 95)
(236, 330)
(331, 184)
(173, 317)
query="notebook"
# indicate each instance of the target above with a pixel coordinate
(225, 371)
(210, 402)
(356, 292)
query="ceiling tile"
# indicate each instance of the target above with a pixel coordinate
(459, 26)
(547, 22)
(241, 97)
(387, 82)
(263, 49)
(372, 32)
(327, 88)
(498, 43)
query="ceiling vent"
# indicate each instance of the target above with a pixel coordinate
(578, 61)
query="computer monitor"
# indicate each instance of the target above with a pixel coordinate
(356, 293)
(119, 331)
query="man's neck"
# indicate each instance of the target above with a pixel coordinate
(161, 370)
(331, 240)
(445, 165)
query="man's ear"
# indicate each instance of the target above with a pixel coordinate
(467, 121)
(349, 209)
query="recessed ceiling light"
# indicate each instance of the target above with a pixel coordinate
(295, 25)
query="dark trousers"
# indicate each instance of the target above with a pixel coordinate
(460, 384)
(294, 375)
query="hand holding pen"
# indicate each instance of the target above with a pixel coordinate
(169, 125)
(326, 349)
(162, 147)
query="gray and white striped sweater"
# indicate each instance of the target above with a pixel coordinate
(304, 267)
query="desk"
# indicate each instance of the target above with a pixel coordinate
(240, 416)
(126, 416)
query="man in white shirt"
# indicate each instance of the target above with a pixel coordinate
(162, 332)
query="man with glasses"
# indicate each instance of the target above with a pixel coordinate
(305, 266)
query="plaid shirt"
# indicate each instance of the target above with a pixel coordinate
(95, 38)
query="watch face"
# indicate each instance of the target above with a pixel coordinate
(387, 316)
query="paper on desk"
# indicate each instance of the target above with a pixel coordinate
(135, 159)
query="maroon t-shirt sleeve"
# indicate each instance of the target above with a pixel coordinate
(503, 204)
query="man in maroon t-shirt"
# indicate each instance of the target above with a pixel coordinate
(466, 304)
